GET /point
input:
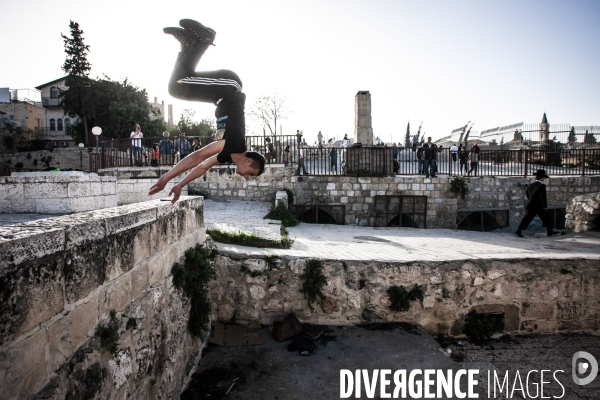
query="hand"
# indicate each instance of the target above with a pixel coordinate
(176, 192)
(158, 186)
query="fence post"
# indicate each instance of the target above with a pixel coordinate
(583, 161)
(525, 160)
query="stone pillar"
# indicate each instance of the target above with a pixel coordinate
(170, 118)
(363, 128)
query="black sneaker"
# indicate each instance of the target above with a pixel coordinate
(201, 33)
(519, 234)
(552, 233)
(185, 38)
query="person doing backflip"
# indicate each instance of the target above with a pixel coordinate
(222, 88)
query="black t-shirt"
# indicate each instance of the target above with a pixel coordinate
(231, 126)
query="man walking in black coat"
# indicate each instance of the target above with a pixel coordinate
(537, 204)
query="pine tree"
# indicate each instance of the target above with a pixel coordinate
(77, 98)
(407, 138)
(572, 138)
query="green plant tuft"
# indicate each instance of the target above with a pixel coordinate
(459, 187)
(286, 242)
(400, 298)
(271, 260)
(479, 327)
(314, 280)
(244, 239)
(109, 334)
(345, 266)
(192, 278)
(19, 165)
(283, 214)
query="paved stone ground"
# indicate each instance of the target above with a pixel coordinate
(345, 242)
(245, 216)
(16, 219)
(270, 371)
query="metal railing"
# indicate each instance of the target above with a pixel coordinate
(364, 161)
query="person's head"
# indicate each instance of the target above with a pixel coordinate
(196, 141)
(253, 164)
(428, 139)
(166, 135)
(182, 135)
(286, 148)
(541, 174)
(454, 144)
(267, 140)
(137, 128)
(155, 146)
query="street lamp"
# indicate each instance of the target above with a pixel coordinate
(81, 156)
(97, 131)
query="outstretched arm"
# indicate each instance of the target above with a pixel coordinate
(193, 160)
(194, 174)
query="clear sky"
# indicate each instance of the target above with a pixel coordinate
(440, 62)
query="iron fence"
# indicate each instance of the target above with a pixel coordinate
(370, 161)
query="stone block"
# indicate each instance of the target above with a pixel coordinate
(537, 310)
(84, 269)
(23, 367)
(115, 295)
(139, 279)
(70, 332)
(79, 189)
(51, 205)
(46, 190)
(30, 295)
(26, 243)
(11, 191)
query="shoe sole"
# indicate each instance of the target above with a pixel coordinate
(202, 33)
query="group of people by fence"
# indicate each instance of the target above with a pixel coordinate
(164, 152)
(428, 153)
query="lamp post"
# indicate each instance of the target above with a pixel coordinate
(97, 131)
(81, 156)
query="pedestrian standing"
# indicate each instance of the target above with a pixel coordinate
(474, 157)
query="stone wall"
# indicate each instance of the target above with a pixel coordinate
(355, 193)
(583, 213)
(358, 194)
(56, 192)
(535, 296)
(509, 193)
(133, 183)
(69, 158)
(61, 277)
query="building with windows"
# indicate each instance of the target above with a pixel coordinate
(21, 114)
(55, 123)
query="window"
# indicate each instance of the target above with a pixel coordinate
(404, 211)
(482, 220)
(52, 125)
(60, 125)
(54, 92)
(320, 214)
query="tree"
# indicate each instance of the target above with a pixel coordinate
(77, 98)
(187, 124)
(118, 106)
(269, 109)
(407, 137)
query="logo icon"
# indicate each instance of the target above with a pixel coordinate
(590, 365)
